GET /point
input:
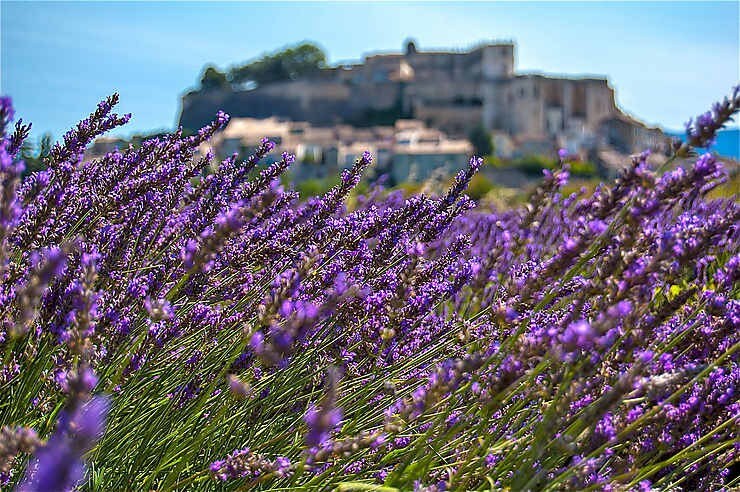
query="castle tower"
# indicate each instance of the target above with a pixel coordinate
(410, 47)
(498, 61)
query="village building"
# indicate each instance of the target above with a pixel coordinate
(407, 151)
(415, 110)
(452, 91)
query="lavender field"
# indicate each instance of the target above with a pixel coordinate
(164, 328)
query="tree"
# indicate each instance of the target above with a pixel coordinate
(213, 79)
(481, 140)
(34, 158)
(289, 64)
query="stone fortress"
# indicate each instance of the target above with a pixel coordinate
(447, 90)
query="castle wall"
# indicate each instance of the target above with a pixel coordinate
(454, 120)
(436, 66)
(497, 61)
(305, 92)
(316, 103)
(600, 103)
(375, 96)
(378, 68)
(454, 91)
(445, 90)
(198, 108)
(525, 108)
(495, 115)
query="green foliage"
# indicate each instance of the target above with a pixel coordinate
(585, 169)
(309, 158)
(481, 140)
(494, 162)
(534, 164)
(316, 186)
(409, 188)
(588, 185)
(729, 189)
(479, 186)
(34, 157)
(288, 64)
(213, 79)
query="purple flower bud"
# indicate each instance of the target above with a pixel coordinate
(321, 423)
(597, 226)
(58, 465)
(266, 146)
(620, 310)
(159, 309)
(645, 356)
(286, 308)
(257, 342)
(288, 158)
(222, 119)
(88, 379)
(238, 388)
(340, 283)
(579, 335)
(570, 245)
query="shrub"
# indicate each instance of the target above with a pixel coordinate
(479, 186)
(315, 186)
(481, 140)
(584, 169)
(534, 164)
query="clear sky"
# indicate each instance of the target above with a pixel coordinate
(667, 61)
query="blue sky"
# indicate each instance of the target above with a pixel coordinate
(667, 60)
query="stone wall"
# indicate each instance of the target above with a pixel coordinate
(454, 91)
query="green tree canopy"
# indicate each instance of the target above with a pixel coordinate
(481, 141)
(213, 79)
(287, 64)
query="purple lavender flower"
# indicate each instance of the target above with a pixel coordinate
(324, 419)
(58, 465)
(321, 423)
(578, 335)
(243, 463)
(577, 340)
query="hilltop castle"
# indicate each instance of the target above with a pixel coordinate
(451, 91)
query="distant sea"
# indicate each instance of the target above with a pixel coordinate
(727, 144)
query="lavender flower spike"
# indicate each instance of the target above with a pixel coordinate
(58, 466)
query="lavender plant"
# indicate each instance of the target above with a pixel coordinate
(164, 328)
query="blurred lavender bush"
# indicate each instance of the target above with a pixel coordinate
(165, 329)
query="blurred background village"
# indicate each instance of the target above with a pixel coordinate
(421, 114)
